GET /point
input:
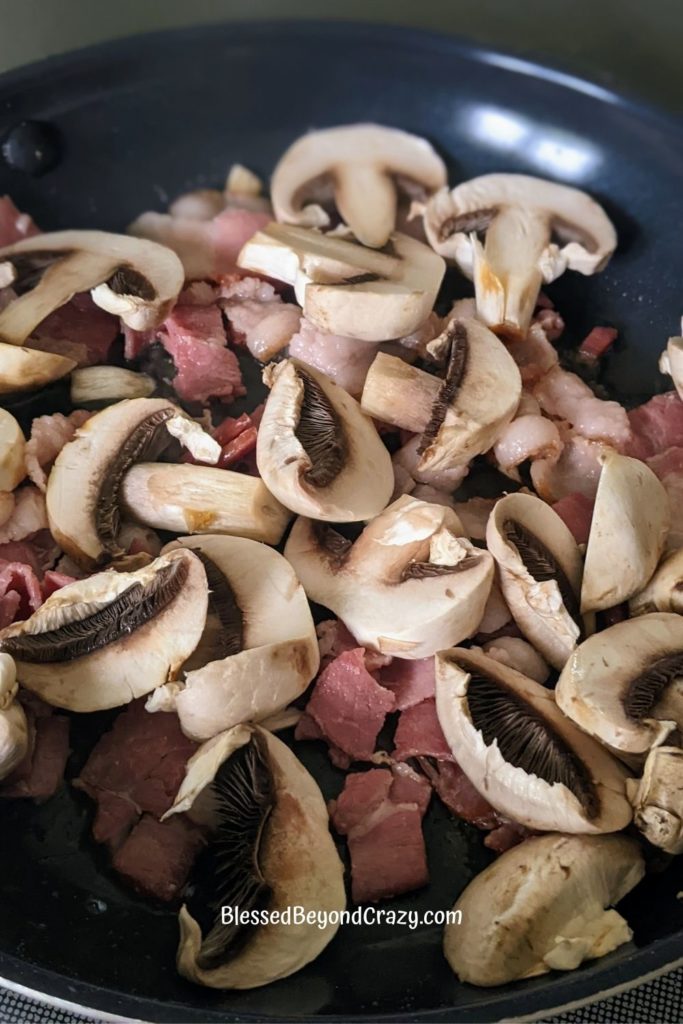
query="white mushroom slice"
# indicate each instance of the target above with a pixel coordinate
(202, 499)
(520, 752)
(316, 451)
(129, 277)
(658, 799)
(625, 684)
(12, 452)
(93, 465)
(407, 586)
(664, 592)
(345, 288)
(519, 216)
(272, 850)
(628, 532)
(14, 738)
(108, 639)
(518, 654)
(359, 165)
(540, 570)
(102, 385)
(543, 906)
(241, 181)
(459, 415)
(671, 362)
(26, 369)
(259, 651)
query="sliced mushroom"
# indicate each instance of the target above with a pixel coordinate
(14, 738)
(129, 277)
(93, 466)
(407, 586)
(270, 850)
(658, 799)
(316, 451)
(520, 752)
(27, 369)
(108, 639)
(625, 684)
(543, 906)
(12, 452)
(628, 532)
(358, 165)
(664, 592)
(202, 499)
(348, 289)
(671, 362)
(519, 216)
(259, 650)
(458, 415)
(540, 569)
(95, 386)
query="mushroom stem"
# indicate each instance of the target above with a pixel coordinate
(399, 394)
(366, 199)
(200, 499)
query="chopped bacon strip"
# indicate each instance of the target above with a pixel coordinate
(194, 336)
(410, 681)
(20, 593)
(348, 706)
(79, 330)
(29, 515)
(576, 511)
(346, 361)
(506, 835)
(49, 434)
(458, 794)
(381, 816)
(597, 342)
(156, 858)
(334, 639)
(655, 426)
(14, 225)
(419, 734)
(40, 774)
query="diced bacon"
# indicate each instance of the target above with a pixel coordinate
(576, 511)
(551, 323)
(20, 580)
(655, 426)
(49, 434)
(28, 517)
(525, 439)
(258, 317)
(597, 342)
(136, 539)
(349, 706)
(668, 462)
(199, 293)
(156, 858)
(135, 342)
(21, 551)
(534, 355)
(381, 816)
(410, 787)
(53, 581)
(14, 225)
(506, 835)
(334, 639)
(577, 471)
(141, 761)
(410, 681)
(564, 396)
(194, 336)
(419, 734)
(40, 774)
(79, 330)
(544, 301)
(458, 794)
(346, 361)
(230, 231)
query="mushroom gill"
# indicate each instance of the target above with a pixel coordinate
(228, 638)
(647, 689)
(456, 368)
(321, 433)
(541, 564)
(228, 873)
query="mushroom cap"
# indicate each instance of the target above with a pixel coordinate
(14, 736)
(360, 163)
(542, 906)
(581, 223)
(346, 288)
(92, 466)
(664, 592)
(278, 653)
(671, 362)
(408, 585)
(536, 598)
(658, 799)
(132, 278)
(478, 702)
(628, 532)
(123, 647)
(27, 369)
(484, 403)
(298, 860)
(623, 685)
(12, 452)
(316, 450)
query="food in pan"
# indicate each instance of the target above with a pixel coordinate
(321, 557)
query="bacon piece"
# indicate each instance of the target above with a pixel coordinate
(14, 225)
(49, 434)
(257, 316)
(410, 681)
(348, 706)
(20, 593)
(41, 773)
(576, 511)
(525, 439)
(458, 794)
(156, 858)
(577, 471)
(29, 515)
(655, 426)
(194, 336)
(334, 639)
(79, 330)
(564, 396)
(506, 835)
(597, 342)
(419, 734)
(346, 361)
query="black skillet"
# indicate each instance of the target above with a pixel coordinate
(141, 120)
